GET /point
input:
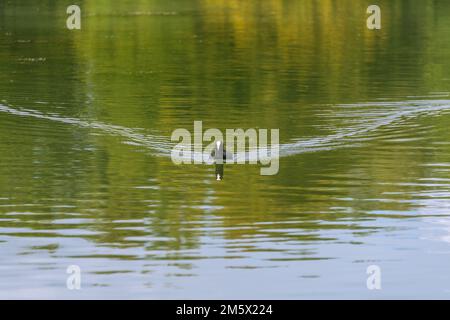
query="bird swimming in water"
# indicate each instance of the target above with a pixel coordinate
(220, 155)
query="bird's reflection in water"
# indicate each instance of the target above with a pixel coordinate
(219, 171)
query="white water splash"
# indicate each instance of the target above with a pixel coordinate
(156, 143)
(371, 116)
(379, 115)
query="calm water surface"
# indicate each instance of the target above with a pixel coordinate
(85, 124)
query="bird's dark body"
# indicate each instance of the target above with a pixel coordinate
(220, 155)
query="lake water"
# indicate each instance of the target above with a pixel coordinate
(86, 177)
